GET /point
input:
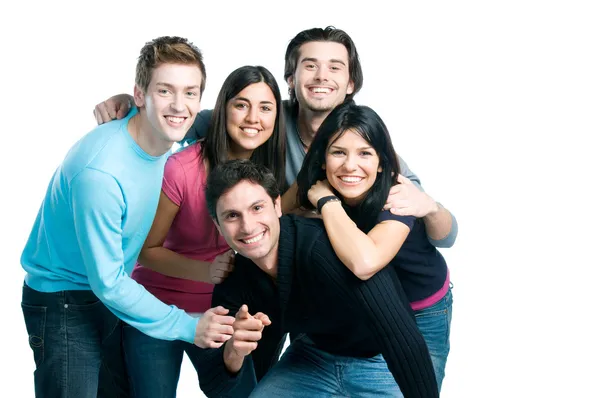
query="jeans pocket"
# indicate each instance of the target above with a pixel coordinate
(82, 304)
(35, 323)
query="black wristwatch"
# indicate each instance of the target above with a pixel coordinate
(325, 199)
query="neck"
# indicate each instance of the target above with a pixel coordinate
(143, 134)
(308, 124)
(239, 153)
(269, 263)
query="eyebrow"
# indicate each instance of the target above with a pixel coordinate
(334, 60)
(171, 86)
(248, 101)
(227, 211)
(360, 149)
(257, 202)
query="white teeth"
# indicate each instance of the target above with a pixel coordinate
(174, 119)
(250, 131)
(321, 90)
(351, 179)
(253, 240)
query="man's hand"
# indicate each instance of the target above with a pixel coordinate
(116, 107)
(247, 331)
(405, 199)
(214, 328)
(319, 190)
(221, 266)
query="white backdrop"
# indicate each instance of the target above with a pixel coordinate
(494, 106)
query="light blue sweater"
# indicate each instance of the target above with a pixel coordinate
(93, 222)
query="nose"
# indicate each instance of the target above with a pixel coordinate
(322, 74)
(350, 163)
(252, 115)
(248, 225)
(178, 103)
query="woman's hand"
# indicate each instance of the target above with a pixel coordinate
(319, 190)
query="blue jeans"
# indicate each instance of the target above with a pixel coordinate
(154, 365)
(434, 324)
(76, 345)
(307, 371)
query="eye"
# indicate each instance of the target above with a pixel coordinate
(337, 153)
(231, 216)
(240, 105)
(310, 66)
(191, 94)
(265, 108)
(366, 153)
(258, 207)
(163, 91)
(335, 67)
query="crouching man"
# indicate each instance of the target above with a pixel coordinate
(358, 338)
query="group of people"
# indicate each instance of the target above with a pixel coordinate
(275, 217)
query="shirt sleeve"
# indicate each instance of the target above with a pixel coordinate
(407, 172)
(449, 240)
(199, 129)
(173, 184)
(385, 215)
(233, 293)
(386, 311)
(98, 207)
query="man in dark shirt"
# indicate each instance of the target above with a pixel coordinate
(288, 275)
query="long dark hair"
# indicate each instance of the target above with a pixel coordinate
(216, 147)
(366, 123)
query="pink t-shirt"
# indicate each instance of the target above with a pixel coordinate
(192, 233)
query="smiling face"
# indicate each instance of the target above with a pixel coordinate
(248, 219)
(171, 101)
(322, 78)
(351, 166)
(251, 118)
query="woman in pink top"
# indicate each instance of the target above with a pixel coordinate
(184, 255)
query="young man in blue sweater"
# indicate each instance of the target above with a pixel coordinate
(92, 223)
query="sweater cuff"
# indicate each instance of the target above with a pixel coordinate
(216, 380)
(187, 328)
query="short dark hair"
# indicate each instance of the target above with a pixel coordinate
(167, 50)
(366, 123)
(227, 175)
(330, 33)
(216, 147)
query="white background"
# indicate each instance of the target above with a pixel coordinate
(493, 105)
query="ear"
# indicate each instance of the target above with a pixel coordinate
(290, 82)
(350, 88)
(138, 96)
(323, 166)
(277, 204)
(218, 226)
(379, 169)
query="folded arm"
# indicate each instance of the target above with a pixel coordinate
(160, 259)
(364, 254)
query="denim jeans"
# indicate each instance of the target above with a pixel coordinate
(307, 371)
(154, 365)
(76, 344)
(434, 324)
